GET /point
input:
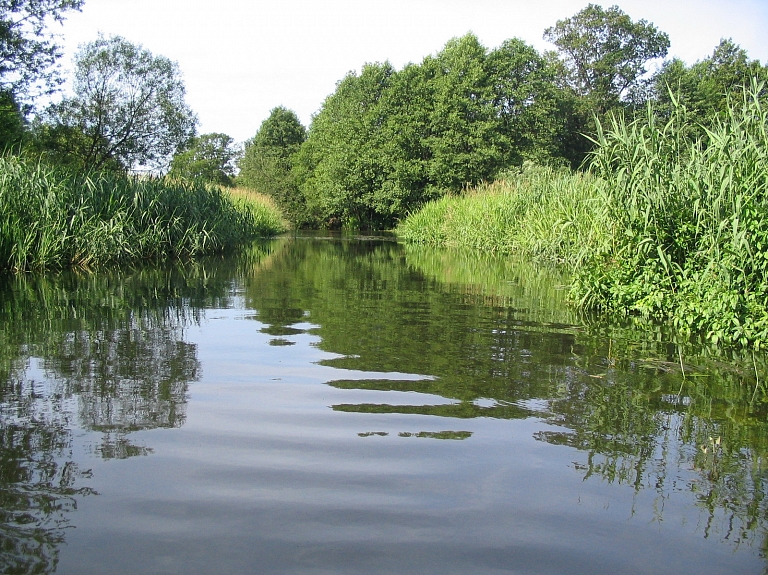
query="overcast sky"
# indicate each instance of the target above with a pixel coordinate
(241, 58)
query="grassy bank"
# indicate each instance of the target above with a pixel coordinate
(537, 212)
(53, 219)
(671, 224)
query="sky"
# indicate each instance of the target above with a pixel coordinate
(241, 58)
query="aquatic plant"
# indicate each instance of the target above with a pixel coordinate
(51, 218)
(689, 221)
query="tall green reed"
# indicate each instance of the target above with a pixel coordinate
(539, 212)
(689, 211)
(50, 218)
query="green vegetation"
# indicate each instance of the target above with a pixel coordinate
(66, 196)
(28, 51)
(666, 222)
(387, 141)
(605, 53)
(666, 225)
(544, 213)
(127, 111)
(689, 220)
(52, 219)
(266, 164)
(208, 159)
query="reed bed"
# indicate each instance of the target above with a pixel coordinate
(671, 223)
(538, 212)
(265, 212)
(691, 222)
(51, 218)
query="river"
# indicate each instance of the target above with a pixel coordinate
(346, 404)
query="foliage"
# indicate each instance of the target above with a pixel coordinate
(348, 165)
(128, 109)
(209, 158)
(263, 210)
(27, 49)
(544, 213)
(266, 164)
(386, 141)
(690, 219)
(12, 124)
(606, 52)
(50, 218)
(705, 87)
(668, 227)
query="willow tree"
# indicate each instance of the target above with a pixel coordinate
(128, 108)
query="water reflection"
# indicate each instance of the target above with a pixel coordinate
(500, 341)
(99, 352)
(414, 348)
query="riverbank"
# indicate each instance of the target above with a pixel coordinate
(670, 224)
(52, 219)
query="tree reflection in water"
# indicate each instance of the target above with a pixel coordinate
(493, 339)
(102, 352)
(499, 340)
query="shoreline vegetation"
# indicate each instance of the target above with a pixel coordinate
(669, 223)
(650, 186)
(53, 218)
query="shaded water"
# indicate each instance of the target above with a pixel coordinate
(357, 406)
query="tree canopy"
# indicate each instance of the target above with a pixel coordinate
(210, 158)
(605, 51)
(128, 108)
(705, 86)
(386, 141)
(266, 164)
(27, 49)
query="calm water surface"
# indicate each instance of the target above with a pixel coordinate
(322, 405)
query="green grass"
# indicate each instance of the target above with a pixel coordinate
(667, 226)
(537, 212)
(691, 223)
(52, 219)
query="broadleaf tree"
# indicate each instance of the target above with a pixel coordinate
(705, 87)
(606, 52)
(349, 166)
(128, 108)
(209, 158)
(266, 164)
(28, 50)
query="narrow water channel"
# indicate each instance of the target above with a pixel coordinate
(352, 405)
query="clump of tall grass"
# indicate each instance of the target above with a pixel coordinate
(51, 218)
(690, 221)
(539, 212)
(265, 212)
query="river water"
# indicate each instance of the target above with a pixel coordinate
(353, 405)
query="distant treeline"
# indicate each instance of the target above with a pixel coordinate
(387, 140)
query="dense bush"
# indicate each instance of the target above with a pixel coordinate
(690, 222)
